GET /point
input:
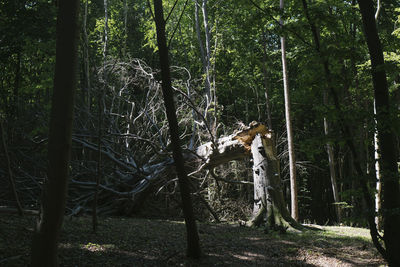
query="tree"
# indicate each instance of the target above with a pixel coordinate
(386, 137)
(45, 239)
(193, 246)
(268, 194)
(292, 161)
(205, 54)
(10, 174)
(329, 147)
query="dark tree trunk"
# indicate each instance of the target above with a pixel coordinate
(17, 82)
(10, 173)
(386, 138)
(193, 246)
(350, 143)
(45, 239)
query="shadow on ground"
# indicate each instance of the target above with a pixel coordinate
(142, 242)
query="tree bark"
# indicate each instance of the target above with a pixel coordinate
(260, 168)
(386, 137)
(193, 246)
(329, 148)
(45, 239)
(268, 194)
(350, 143)
(378, 186)
(206, 61)
(10, 173)
(292, 161)
(86, 60)
(266, 93)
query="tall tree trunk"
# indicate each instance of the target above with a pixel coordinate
(17, 82)
(10, 174)
(329, 148)
(378, 186)
(206, 61)
(100, 120)
(210, 93)
(386, 137)
(332, 169)
(125, 28)
(292, 161)
(193, 245)
(86, 59)
(266, 93)
(350, 143)
(45, 239)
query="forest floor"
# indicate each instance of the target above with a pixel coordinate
(144, 242)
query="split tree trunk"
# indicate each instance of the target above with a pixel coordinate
(260, 167)
(257, 141)
(268, 194)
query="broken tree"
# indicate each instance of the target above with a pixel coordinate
(257, 141)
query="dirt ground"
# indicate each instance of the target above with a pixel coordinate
(145, 242)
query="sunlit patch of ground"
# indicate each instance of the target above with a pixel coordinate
(143, 242)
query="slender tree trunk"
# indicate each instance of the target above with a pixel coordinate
(292, 161)
(209, 92)
(331, 160)
(378, 186)
(266, 93)
(386, 137)
(100, 120)
(206, 61)
(125, 28)
(350, 143)
(86, 59)
(45, 239)
(198, 32)
(208, 48)
(10, 174)
(193, 245)
(17, 82)
(329, 148)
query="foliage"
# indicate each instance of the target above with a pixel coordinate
(245, 59)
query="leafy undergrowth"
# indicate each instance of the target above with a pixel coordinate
(143, 242)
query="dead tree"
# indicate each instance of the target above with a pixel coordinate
(257, 141)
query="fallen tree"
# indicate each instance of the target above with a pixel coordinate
(254, 141)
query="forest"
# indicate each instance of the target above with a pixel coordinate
(177, 123)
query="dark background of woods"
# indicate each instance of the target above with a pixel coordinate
(227, 68)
